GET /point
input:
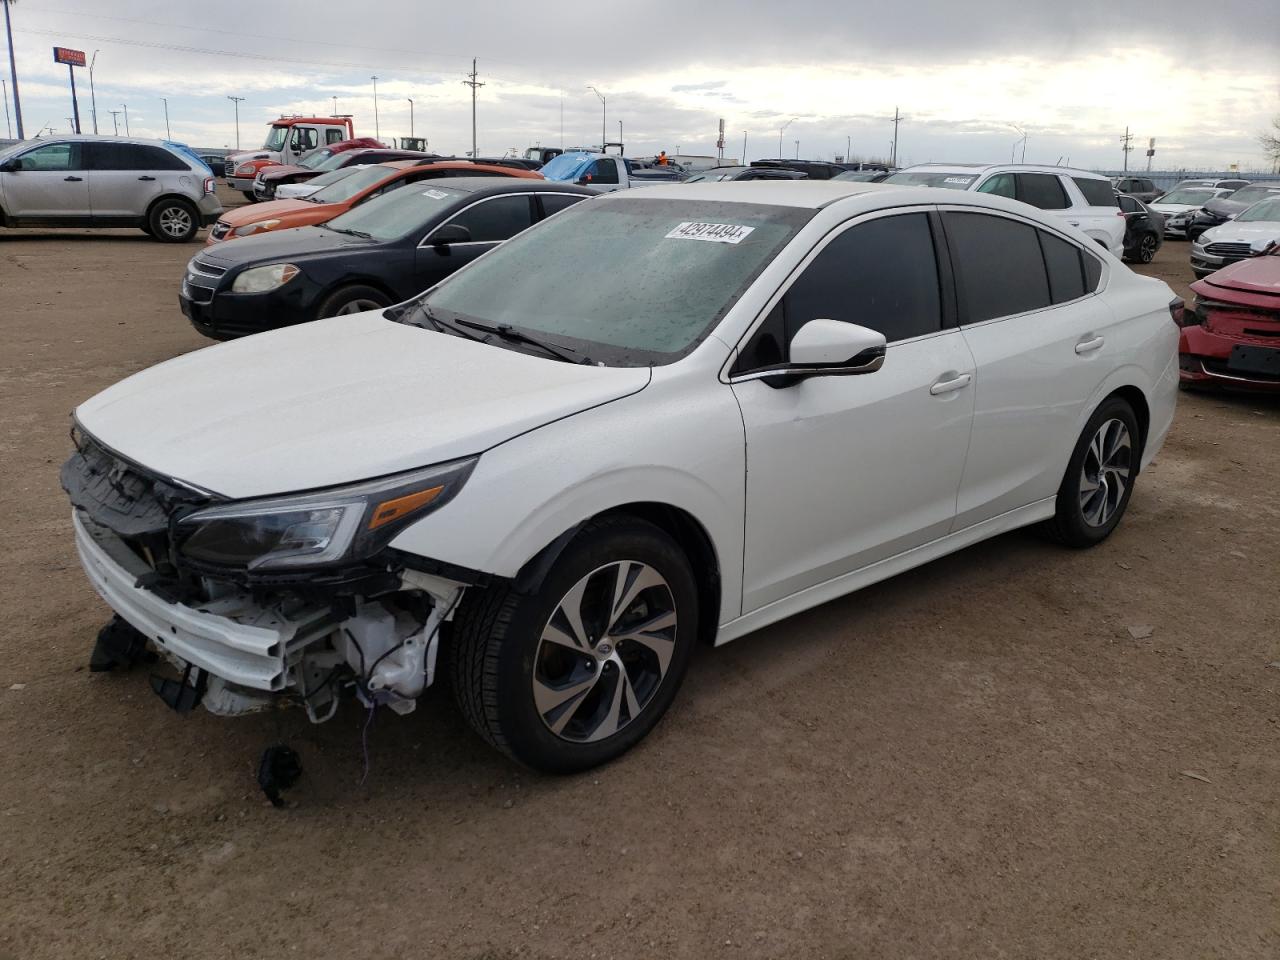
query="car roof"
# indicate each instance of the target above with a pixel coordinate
(482, 185)
(1010, 167)
(94, 138)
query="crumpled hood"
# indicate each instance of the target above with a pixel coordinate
(337, 401)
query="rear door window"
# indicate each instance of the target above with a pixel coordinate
(1043, 190)
(1128, 204)
(1097, 193)
(553, 203)
(497, 219)
(604, 171)
(1062, 261)
(1000, 269)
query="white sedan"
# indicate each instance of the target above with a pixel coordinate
(662, 417)
(300, 191)
(1254, 231)
(1180, 205)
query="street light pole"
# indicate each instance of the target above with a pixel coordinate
(126, 118)
(13, 71)
(377, 131)
(93, 97)
(167, 134)
(797, 149)
(620, 149)
(236, 101)
(781, 131)
(8, 128)
(410, 99)
(604, 116)
(744, 148)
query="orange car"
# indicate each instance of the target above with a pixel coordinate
(367, 182)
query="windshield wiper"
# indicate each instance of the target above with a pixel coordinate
(442, 327)
(353, 233)
(508, 332)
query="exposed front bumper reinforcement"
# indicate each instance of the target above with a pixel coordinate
(233, 637)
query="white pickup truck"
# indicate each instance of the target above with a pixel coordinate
(604, 171)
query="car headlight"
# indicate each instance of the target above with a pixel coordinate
(246, 170)
(345, 524)
(257, 227)
(264, 279)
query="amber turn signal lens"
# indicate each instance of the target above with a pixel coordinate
(390, 510)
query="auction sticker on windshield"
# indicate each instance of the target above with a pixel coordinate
(435, 194)
(959, 180)
(714, 232)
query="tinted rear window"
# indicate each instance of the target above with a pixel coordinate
(999, 265)
(1097, 193)
(1062, 260)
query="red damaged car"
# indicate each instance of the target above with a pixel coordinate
(1231, 333)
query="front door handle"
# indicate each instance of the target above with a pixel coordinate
(947, 386)
(1074, 223)
(1088, 346)
(146, 178)
(73, 179)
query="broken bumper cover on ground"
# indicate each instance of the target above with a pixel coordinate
(233, 638)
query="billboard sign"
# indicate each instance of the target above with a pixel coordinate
(72, 58)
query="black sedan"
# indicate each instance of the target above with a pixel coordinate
(382, 252)
(1143, 230)
(1221, 209)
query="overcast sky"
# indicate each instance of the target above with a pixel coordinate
(1202, 79)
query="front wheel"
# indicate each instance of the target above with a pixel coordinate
(1100, 476)
(353, 299)
(1147, 248)
(579, 672)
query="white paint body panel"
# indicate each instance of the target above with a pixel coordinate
(829, 485)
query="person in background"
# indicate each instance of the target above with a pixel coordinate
(662, 159)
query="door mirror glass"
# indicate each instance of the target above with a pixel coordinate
(450, 233)
(11, 166)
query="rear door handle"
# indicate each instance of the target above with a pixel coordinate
(1074, 223)
(73, 179)
(1087, 346)
(947, 386)
(146, 178)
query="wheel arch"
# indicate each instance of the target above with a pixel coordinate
(170, 196)
(684, 528)
(1141, 409)
(352, 280)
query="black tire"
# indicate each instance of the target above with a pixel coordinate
(248, 195)
(352, 299)
(1070, 525)
(497, 641)
(173, 220)
(1147, 247)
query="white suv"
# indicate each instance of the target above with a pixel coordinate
(83, 181)
(1082, 199)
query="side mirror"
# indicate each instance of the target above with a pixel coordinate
(11, 166)
(584, 180)
(450, 233)
(829, 348)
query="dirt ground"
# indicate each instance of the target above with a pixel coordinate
(1016, 752)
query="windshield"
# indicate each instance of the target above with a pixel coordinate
(1189, 197)
(276, 138)
(935, 178)
(348, 187)
(402, 211)
(1266, 210)
(663, 273)
(1247, 195)
(316, 160)
(859, 176)
(567, 167)
(333, 176)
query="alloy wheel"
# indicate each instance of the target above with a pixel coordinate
(1147, 252)
(359, 305)
(175, 221)
(604, 652)
(1104, 478)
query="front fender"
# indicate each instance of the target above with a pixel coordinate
(663, 445)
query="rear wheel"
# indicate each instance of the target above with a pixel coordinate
(353, 299)
(173, 221)
(1147, 248)
(1100, 476)
(578, 673)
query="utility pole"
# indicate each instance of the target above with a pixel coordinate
(848, 147)
(744, 148)
(115, 121)
(13, 71)
(167, 134)
(782, 130)
(410, 99)
(797, 149)
(236, 101)
(893, 156)
(377, 131)
(126, 118)
(604, 117)
(8, 129)
(93, 97)
(620, 147)
(474, 85)
(1127, 145)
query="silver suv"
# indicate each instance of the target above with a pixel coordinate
(83, 181)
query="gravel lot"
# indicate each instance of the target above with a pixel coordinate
(1018, 751)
